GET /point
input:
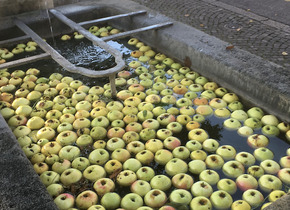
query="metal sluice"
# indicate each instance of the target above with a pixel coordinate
(101, 42)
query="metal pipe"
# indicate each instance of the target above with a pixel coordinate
(138, 30)
(112, 17)
(24, 61)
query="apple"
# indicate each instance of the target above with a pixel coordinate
(154, 145)
(246, 158)
(64, 201)
(145, 173)
(270, 130)
(103, 186)
(51, 159)
(17, 120)
(40, 167)
(258, 140)
(183, 119)
(198, 155)
(222, 112)
(70, 176)
(217, 103)
(140, 187)
(121, 155)
(208, 94)
(80, 163)
(69, 152)
(227, 185)
(275, 195)
(145, 157)
(66, 138)
(165, 118)
(255, 171)
(240, 205)
(110, 200)
(200, 202)
(94, 172)
(214, 162)
(253, 123)
(86, 199)
(232, 123)
(132, 164)
(147, 133)
(269, 182)
(196, 166)
(263, 153)
(180, 196)
(283, 127)
(210, 145)
(193, 145)
(233, 169)
(253, 197)
(182, 181)
(126, 178)
(155, 198)
(61, 166)
(37, 158)
(162, 156)
(221, 199)
(284, 175)
(227, 152)
(246, 181)
(201, 188)
(31, 149)
(198, 134)
(160, 182)
(245, 131)
(204, 110)
(55, 189)
(175, 166)
(181, 152)
(209, 176)
(134, 147)
(270, 166)
(49, 177)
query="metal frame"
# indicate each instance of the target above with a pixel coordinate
(101, 42)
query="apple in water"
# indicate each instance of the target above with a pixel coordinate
(64, 201)
(145, 173)
(227, 185)
(155, 198)
(200, 202)
(246, 158)
(111, 200)
(55, 189)
(182, 181)
(246, 181)
(233, 169)
(163, 156)
(227, 152)
(94, 172)
(214, 162)
(209, 176)
(270, 166)
(160, 182)
(255, 171)
(131, 201)
(263, 153)
(221, 199)
(180, 196)
(201, 188)
(268, 183)
(70, 176)
(126, 178)
(140, 187)
(253, 197)
(175, 166)
(196, 166)
(275, 195)
(240, 205)
(284, 175)
(86, 199)
(198, 134)
(103, 186)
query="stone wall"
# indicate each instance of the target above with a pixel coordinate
(8, 7)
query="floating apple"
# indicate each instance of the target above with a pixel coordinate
(86, 199)
(201, 188)
(227, 185)
(209, 176)
(253, 197)
(155, 198)
(246, 181)
(110, 200)
(196, 166)
(201, 202)
(64, 201)
(221, 199)
(240, 205)
(268, 183)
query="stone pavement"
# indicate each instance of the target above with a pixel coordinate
(241, 28)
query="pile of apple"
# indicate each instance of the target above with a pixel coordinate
(89, 149)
